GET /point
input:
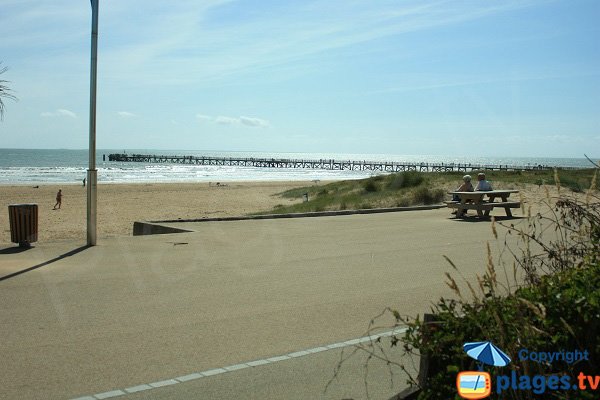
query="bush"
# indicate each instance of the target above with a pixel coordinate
(405, 180)
(424, 195)
(548, 317)
(558, 307)
(370, 186)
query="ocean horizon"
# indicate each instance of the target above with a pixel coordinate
(64, 166)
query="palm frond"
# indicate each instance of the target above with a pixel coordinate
(4, 92)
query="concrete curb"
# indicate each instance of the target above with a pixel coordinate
(154, 227)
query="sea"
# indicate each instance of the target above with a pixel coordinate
(62, 166)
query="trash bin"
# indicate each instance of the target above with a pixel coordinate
(305, 197)
(23, 224)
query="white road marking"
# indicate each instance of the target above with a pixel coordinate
(237, 367)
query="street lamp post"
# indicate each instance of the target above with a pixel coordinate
(92, 173)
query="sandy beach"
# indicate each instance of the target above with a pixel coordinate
(119, 205)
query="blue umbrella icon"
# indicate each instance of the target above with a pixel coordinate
(486, 353)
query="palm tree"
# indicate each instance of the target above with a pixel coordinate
(4, 92)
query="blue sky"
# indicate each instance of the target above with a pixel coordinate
(481, 78)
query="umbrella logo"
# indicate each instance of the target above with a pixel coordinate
(478, 384)
(486, 353)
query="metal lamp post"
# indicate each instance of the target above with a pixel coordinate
(92, 173)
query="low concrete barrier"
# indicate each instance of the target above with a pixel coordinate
(154, 227)
(306, 214)
(148, 228)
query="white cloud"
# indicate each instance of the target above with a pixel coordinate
(254, 122)
(226, 120)
(251, 122)
(61, 112)
(126, 114)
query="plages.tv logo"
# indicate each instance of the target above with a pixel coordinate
(478, 384)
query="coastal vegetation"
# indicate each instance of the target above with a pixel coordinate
(394, 190)
(555, 309)
(541, 296)
(412, 188)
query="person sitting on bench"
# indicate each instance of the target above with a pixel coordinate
(466, 186)
(482, 184)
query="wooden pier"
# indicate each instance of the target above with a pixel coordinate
(329, 164)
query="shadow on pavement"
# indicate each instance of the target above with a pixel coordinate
(15, 250)
(55, 259)
(475, 218)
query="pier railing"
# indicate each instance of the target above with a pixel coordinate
(328, 164)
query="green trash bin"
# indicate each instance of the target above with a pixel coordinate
(23, 224)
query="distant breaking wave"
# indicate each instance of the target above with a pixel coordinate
(70, 166)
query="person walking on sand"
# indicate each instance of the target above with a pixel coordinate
(58, 199)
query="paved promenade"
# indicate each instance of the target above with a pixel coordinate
(136, 311)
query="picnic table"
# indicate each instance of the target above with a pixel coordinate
(477, 201)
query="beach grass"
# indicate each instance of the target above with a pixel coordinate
(576, 180)
(393, 190)
(412, 188)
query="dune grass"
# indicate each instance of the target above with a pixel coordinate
(576, 180)
(412, 188)
(394, 190)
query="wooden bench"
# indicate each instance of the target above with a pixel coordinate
(475, 201)
(479, 207)
(483, 209)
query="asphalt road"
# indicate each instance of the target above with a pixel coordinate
(92, 322)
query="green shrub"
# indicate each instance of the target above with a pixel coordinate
(424, 195)
(548, 317)
(370, 186)
(405, 180)
(558, 308)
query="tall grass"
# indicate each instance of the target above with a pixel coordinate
(393, 190)
(415, 188)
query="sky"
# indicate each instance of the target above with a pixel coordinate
(458, 78)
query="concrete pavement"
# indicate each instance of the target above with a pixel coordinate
(136, 310)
